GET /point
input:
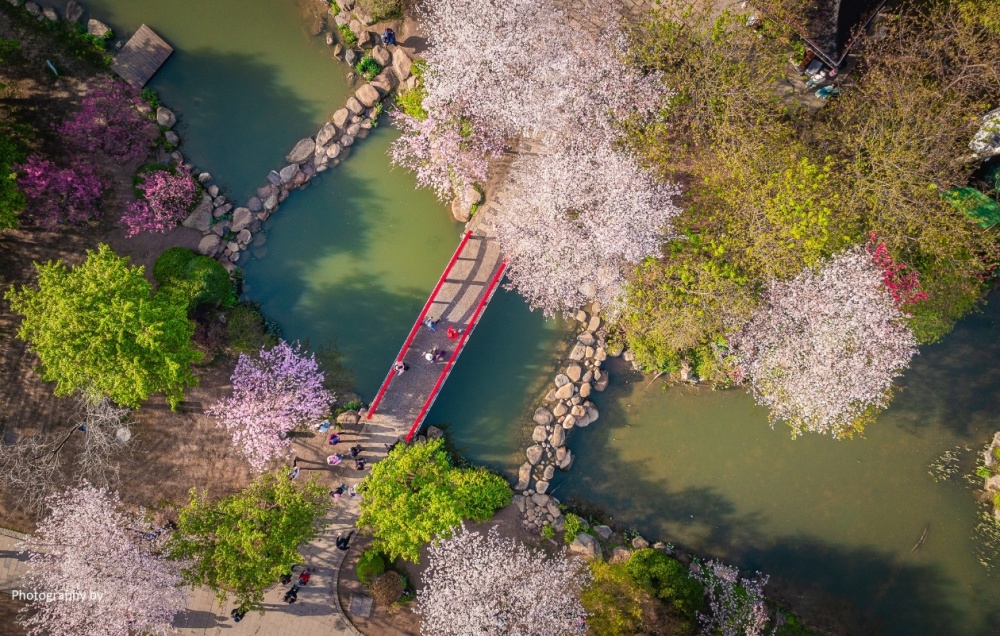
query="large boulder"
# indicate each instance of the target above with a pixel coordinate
(255, 204)
(385, 82)
(620, 554)
(401, 63)
(367, 95)
(534, 454)
(360, 32)
(542, 416)
(242, 218)
(558, 437)
(288, 173)
(604, 532)
(302, 151)
(566, 460)
(574, 372)
(165, 117)
(523, 476)
(539, 434)
(355, 106)
(50, 14)
(33, 9)
(73, 11)
(209, 244)
(340, 118)
(578, 353)
(565, 392)
(201, 218)
(382, 55)
(348, 418)
(326, 134)
(97, 28)
(586, 546)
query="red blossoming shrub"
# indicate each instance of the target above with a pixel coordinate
(166, 198)
(58, 196)
(109, 121)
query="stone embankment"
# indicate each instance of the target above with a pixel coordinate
(567, 406)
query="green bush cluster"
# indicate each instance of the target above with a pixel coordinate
(248, 331)
(195, 279)
(573, 526)
(370, 566)
(668, 579)
(368, 67)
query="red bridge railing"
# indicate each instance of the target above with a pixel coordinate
(458, 349)
(417, 324)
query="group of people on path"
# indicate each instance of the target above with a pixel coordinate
(433, 354)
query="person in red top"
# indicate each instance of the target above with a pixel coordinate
(304, 577)
(453, 334)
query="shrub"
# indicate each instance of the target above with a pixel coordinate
(11, 198)
(614, 601)
(574, 525)
(196, 279)
(109, 121)
(668, 579)
(166, 198)
(387, 588)
(548, 531)
(248, 331)
(370, 566)
(350, 40)
(9, 50)
(59, 196)
(368, 67)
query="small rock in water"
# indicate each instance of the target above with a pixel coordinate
(73, 11)
(542, 416)
(165, 117)
(51, 14)
(97, 28)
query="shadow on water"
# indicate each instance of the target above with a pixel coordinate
(954, 383)
(228, 127)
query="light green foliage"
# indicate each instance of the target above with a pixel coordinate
(614, 601)
(412, 101)
(247, 330)
(98, 328)
(573, 526)
(668, 579)
(193, 279)
(548, 531)
(9, 49)
(370, 566)
(770, 188)
(12, 150)
(241, 545)
(416, 494)
(350, 40)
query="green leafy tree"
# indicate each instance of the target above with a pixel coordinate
(416, 494)
(242, 544)
(97, 328)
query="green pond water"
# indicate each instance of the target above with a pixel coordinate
(351, 259)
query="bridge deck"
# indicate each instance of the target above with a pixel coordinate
(458, 300)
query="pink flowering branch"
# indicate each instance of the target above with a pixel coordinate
(59, 196)
(903, 283)
(109, 120)
(167, 198)
(274, 392)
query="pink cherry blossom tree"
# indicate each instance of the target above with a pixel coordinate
(58, 196)
(109, 120)
(106, 565)
(491, 585)
(575, 222)
(274, 392)
(823, 349)
(737, 606)
(167, 198)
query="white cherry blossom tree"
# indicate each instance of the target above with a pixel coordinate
(823, 349)
(106, 566)
(495, 586)
(737, 606)
(576, 221)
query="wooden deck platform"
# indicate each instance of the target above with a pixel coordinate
(141, 57)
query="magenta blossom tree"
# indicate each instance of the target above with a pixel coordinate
(274, 392)
(109, 120)
(823, 349)
(59, 196)
(98, 570)
(167, 198)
